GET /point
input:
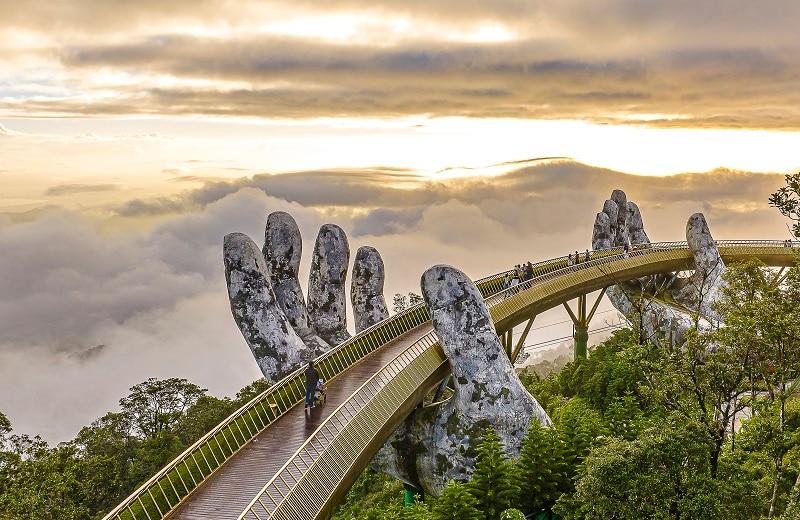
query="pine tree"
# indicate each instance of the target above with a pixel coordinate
(494, 480)
(418, 511)
(578, 425)
(543, 472)
(456, 503)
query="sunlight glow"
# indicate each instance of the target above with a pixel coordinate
(330, 27)
(489, 34)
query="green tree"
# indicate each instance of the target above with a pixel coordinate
(249, 392)
(371, 496)
(580, 427)
(762, 324)
(665, 473)
(44, 483)
(494, 479)
(157, 405)
(457, 503)
(108, 448)
(787, 200)
(623, 417)
(546, 390)
(609, 374)
(542, 469)
(775, 437)
(702, 381)
(5, 425)
(202, 416)
(110, 438)
(153, 453)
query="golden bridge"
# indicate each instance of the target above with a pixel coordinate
(272, 459)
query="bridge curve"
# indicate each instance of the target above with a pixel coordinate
(323, 468)
(608, 267)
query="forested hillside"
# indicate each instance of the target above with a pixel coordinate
(711, 430)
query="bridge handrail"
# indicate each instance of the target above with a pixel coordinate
(281, 484)
(558, 266)
(160, 494)
(165, 490)
(315, 451)
(362, 408)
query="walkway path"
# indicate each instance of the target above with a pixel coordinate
(240, 479)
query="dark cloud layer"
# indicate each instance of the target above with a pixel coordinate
(82, 310)
(71, 189)
(711, 64)
(723, 87)
(381, 202)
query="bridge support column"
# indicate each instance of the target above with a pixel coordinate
(410, 494)
(580, 322)
(580, 336)
(507, 340)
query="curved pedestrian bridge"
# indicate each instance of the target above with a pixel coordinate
(273, 459)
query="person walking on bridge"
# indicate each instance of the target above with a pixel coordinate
(312, 376)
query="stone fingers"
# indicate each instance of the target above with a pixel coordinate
(636, 233)
(277, 348)
(326, 284)
(366, 292)
(283, 247)
(702, 288)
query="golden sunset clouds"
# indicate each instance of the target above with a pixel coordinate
(732, 64)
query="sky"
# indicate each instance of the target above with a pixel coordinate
(135, 134)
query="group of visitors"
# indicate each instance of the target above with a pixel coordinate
(575, 260)
(521, 273)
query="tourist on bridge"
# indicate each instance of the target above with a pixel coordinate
(515, 279)
(528, 271)
(312, 377)
(569, 260)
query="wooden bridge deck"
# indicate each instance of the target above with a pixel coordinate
(227, 493)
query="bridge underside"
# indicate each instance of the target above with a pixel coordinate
(586, 280)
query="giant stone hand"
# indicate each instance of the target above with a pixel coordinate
(437, 443)
(267, 302)
(620, 225)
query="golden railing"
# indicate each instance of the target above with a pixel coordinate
(303, 487)
(320, 472)
(168, 488)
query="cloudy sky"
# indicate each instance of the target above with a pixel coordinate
(135, 134)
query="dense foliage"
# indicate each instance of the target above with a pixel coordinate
(89, 475)
(708, 430)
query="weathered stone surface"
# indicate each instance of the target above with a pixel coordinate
(621, 201)
(695, 294)
(636, 232)
(601, 233)
(703, 286)
(434, 444)
(437, 443)
(366, 292)
(283, 247)
(326, 284)
(277, 348)
(611, 210)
